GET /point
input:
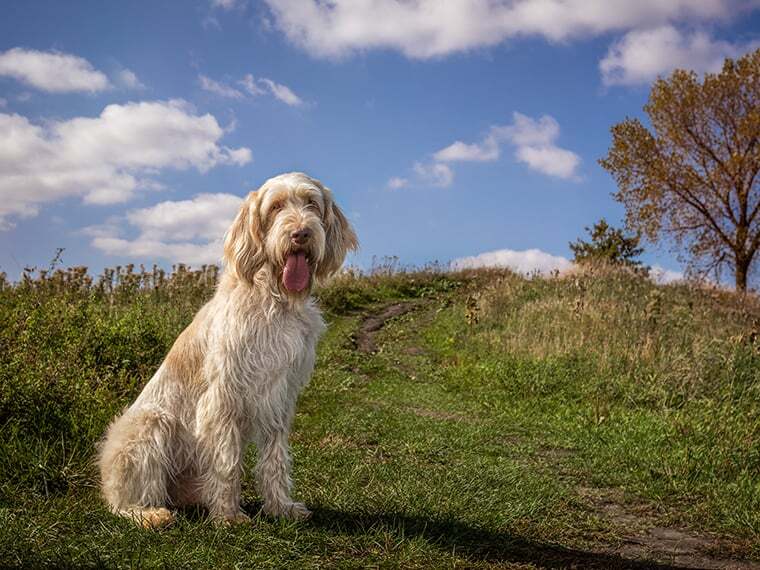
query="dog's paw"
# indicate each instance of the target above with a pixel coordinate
(291, 511)
(150, 518)
(238, 518)
(298, 512)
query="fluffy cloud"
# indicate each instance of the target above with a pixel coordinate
(52, 71)
(528, 261)
(282, 92)
(458, 151)
(208, 84)
(206, 216)
(642, 55)
(430, 173)
(534, 142)
(128, 79)
(186, 231)
(532, 261)
(251, 86)
(190, 253)
(430, 28)
(527, 132)
(433, 174)
(104, 159)
(397, 182)
(254, 88)
(550, 160)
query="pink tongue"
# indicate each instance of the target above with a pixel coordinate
(296, 273)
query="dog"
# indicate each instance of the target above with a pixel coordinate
(235, 373)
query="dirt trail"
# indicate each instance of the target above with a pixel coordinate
(643, 541)
(364, 337)
(642, 538)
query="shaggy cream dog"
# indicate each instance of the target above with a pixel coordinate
(234, 374)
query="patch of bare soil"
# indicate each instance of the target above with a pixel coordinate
(642, 538)
(364, 337)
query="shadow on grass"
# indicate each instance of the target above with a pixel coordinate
(477, 544)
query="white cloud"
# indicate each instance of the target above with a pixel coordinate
(250, 85)
(528, 261)
(104, 159)
(282, 92)
(186, 231)
(208, 84)
(642, 55)
(534, 142)
(397, 182)
(190, 253)
(228, 4)
(660, 275)
(549, 160)
(52, 71)
(525, 131)
(430, 28)
(254, 88)
(433, 174)
(206, 216)
(436, 174)
(128, 79)
(536, 261)
(458, 151)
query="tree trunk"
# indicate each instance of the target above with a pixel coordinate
(742, 268)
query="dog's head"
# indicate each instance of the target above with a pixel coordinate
(292, 225)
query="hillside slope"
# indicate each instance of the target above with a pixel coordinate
(470, 420)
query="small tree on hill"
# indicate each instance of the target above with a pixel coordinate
(607, 244)
(694, 176)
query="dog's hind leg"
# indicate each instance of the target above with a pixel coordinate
(136, 464)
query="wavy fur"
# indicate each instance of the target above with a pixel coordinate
(234, 374)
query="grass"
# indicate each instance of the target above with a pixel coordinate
(482, 433)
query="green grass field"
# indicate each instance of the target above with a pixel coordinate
(466, 420)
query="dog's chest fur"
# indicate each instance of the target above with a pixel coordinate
(281, 343)
(275, 361)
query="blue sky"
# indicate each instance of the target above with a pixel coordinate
(129, 131)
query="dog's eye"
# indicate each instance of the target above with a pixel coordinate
(276, 207)
(313, 204)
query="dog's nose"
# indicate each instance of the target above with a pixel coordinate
(301, 236)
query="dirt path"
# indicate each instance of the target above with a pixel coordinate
(642, 538)
(364, 338)
(643, 541)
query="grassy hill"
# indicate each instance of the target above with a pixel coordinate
(470, 419)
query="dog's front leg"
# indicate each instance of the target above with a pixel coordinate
(221, 444)
(271, 430)
(273, 476)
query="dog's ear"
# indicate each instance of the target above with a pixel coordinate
(340, 238)
(243, 244)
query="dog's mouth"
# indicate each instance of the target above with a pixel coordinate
(297, 272)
